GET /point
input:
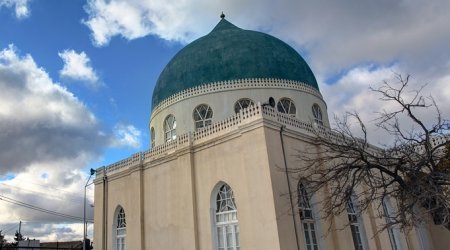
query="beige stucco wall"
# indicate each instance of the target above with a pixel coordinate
(168, 199)
(240, 162)
(177, 196)
(439, 237)
(169, 205)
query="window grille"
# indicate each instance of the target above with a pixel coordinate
(353, 218)
(317, 113)
(242, 104)
(170, 126)
(121, 230)
(307, 218)
(390, 229)
(227, 227)
(287, 106)
(202, 116)
(152, 137)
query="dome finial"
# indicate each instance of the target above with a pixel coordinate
(222, 15)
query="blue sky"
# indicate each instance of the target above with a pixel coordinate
(126, 70)
(76, 78)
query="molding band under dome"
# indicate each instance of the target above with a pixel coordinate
(253, 83)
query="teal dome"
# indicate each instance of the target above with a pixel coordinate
(230, 53)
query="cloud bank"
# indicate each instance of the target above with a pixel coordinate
(351, 93)
(335, 35)
(52, 123)
(48, 137)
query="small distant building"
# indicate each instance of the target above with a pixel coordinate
(26, 244)
(229, 113)
(72, 245)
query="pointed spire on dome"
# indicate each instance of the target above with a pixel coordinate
(222, 16)
(224, 25)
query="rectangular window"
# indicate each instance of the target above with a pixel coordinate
(354, 224)
(356, 237)
(390, 228)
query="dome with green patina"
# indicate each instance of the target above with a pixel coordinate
(231, 53)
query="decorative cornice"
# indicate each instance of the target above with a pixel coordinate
(221, 128)
(252, 83)
(226, 127)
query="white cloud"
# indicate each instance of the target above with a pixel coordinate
(170, 20)
(21, 7)
(48, 113)
(77, 66)
(48, 137)
(126, 136)
(335, 34)
(351, 93)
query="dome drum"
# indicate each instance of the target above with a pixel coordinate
(230, 64)
(222, 103)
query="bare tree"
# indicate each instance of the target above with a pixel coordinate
(2, 239)
(413, 171)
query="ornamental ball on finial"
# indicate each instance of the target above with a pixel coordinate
(222, 15)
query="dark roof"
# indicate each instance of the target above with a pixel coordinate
(230, 53)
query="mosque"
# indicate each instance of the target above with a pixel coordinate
(228, 113)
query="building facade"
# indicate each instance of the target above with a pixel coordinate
(229, 113)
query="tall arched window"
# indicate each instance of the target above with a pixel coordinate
(170, 126)
(121, 230)
(226, 221)
(242, 104)
(152, 137)
(307, 218)
(286, 105)
(392, 232)
(355, 224)
(202, 116)
(317, 113)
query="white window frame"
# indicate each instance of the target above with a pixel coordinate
(393, 232)
(242, 104)
(152, 137)
(307, 218)
(119, 229)
(286, 106)
(356, 224)
(225, 218)
(170, 128)
(317, 114)
(201, 119)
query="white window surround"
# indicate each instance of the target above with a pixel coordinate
(393, 232)
(170, 128)
(152, 137)
(286, 106)
(202, 115)
(119, 229)
(308, 220)
(225, 227)
(356, 224)
(243, 103)
(317, 113)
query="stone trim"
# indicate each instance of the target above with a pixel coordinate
(220, 128)
(223, 127)
(264, 83)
